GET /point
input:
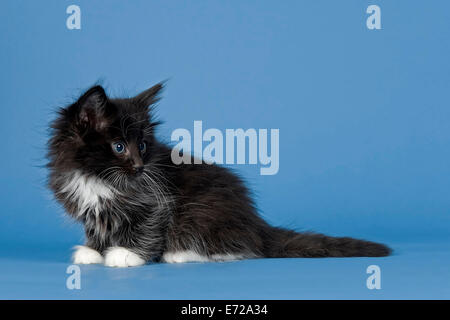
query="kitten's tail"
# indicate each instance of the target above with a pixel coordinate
(282, 243)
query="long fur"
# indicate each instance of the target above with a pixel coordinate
(200, 209)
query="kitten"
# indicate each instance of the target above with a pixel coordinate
(110, 173)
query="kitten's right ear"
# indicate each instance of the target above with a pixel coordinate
(149, 96)
(91, 108)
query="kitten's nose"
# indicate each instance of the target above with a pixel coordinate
(138, 169)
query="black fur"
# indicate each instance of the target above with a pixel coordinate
(199, 207)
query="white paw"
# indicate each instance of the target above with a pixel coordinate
(122, 257)
(86, 255)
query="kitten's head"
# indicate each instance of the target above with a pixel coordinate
(103, 136)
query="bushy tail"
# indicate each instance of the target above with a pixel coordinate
(284, 243)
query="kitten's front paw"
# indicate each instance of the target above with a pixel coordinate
(86, 255)
(122, 257)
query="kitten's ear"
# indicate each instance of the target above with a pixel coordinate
(149, 96)
(92, 108)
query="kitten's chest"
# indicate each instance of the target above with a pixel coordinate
(83, 194)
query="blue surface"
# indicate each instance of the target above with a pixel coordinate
(414, 272)
(363, 118)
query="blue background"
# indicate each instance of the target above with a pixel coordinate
(363, 118)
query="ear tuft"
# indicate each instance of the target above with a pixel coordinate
(149, 96)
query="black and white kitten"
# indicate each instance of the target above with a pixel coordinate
(110, 173)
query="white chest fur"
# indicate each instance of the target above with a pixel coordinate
(88, 192)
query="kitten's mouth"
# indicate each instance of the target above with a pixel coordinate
(135, 174)
(122, 175)
(138, 170)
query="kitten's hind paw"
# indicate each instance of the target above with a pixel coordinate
(122, 257)
(86, 255)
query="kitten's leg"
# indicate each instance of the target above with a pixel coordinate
(229, 257)
(86, 255)
(122, 257)
(183, 256)
(191, 256)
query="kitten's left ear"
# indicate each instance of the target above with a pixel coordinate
(149, 96)
(92, 107)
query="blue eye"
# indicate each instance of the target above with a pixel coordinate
(142, 146)
(118, 147)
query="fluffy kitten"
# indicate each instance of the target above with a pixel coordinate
(110, 173)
